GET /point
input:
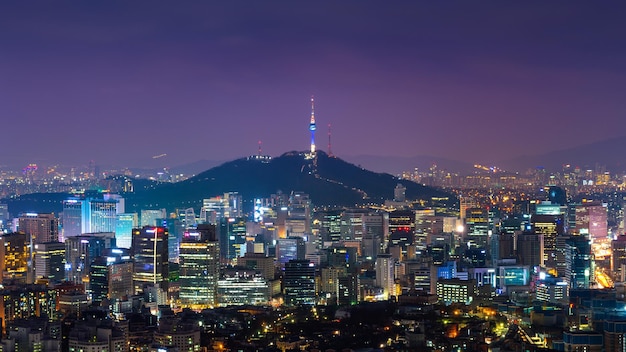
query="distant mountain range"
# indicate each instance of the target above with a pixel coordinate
(328, 180)
(606, 153)
(396, 164)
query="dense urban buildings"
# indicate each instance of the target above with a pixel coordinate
(519, 262)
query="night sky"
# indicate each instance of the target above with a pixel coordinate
(478, 81)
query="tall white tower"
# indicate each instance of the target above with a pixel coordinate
(312, 126)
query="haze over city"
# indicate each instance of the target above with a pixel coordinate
(122, 82)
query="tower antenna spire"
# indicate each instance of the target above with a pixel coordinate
(312, 126)
(260, 149)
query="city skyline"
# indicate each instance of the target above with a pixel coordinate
(123, 83)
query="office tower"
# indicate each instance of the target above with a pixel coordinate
(591, 220)
(99, 215)
(259, 262)
(299, 282)
(176, 229)
(464, 204)
(339, 286)
(342, 256)
(477, 226)
(49, 260)
(401, 221)
(124, 226)
(374, 228)
(99, 280)
(329, 280)
(352, 225)
(91, 214)
(550, 226)
(618, 258)
(232, 236)
(385, 274)
(505, 246)
(199, 267)
(530, 250)
(451, 291)
(4, 216)
(150, 217)
(426, 224)
(150, 254)
(221, 207)
(120, 279)
(298, 221)
(72, 218)
(15, 257)
(551, 289)
(80, 252)
(287, 249)
(579, 262)
(23, 302)
(243, 287)
(110, 276)
(312, 126)
(41, 227)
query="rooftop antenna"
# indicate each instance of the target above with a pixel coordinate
(260, 149)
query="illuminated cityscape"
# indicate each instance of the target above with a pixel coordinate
(474, 198)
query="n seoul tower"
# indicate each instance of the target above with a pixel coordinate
(312, 127)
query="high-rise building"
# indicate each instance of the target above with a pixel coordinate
(240, 287)
(232, 237)
(99, 215)
(550, 226)
(41, 227)
(4, 216)
(456, 291)
(124, 226)
(299, 282)
(150, 217)
(298, 221)
(71, 218)
(385, 274)
(292, 248)
(579, 262)
(221, 207)
(199, 267)
(330, 225)
(477, 226)
(121, 279)
(49, 260)
(80, 252)
(23, 302)
(259, 262)
(530, 250)
(591, 220)
(91, 214)
(150, 254)
(618, 258)
(15, 257)
(110, 276)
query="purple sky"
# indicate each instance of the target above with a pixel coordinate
(119, 82)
